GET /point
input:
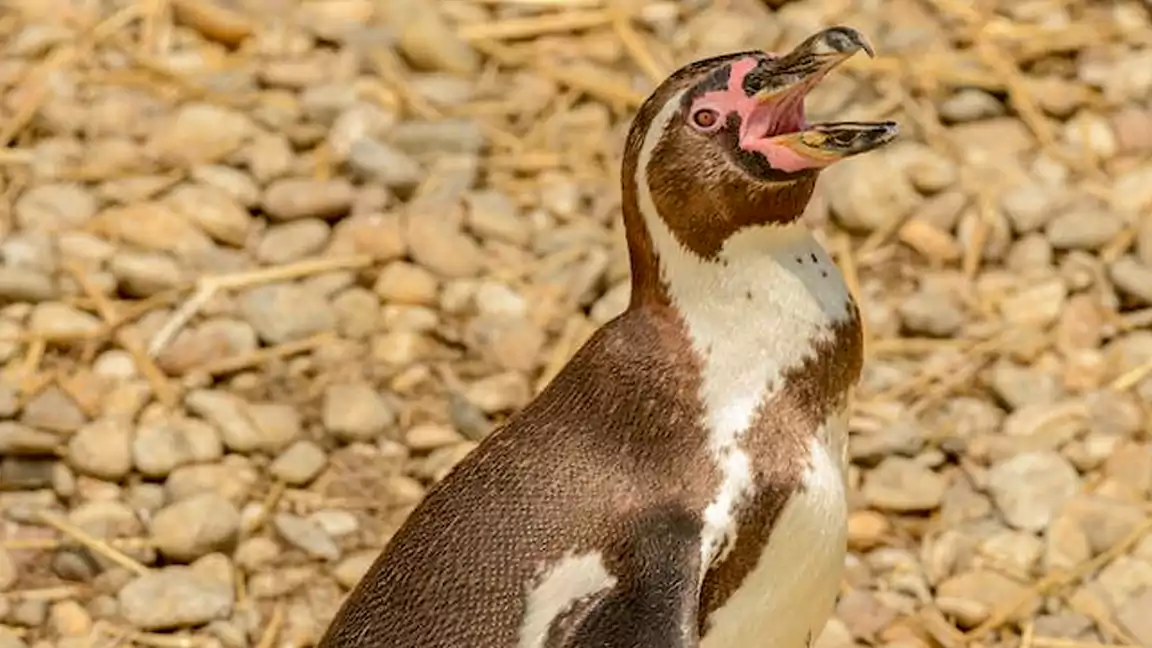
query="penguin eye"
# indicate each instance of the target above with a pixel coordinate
(705, 118)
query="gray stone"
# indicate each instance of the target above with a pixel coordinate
(179, 597)
(356, 412)
(1030, 488)
(900, 484)
(195, 526)
(306, 535)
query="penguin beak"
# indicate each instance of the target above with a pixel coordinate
(776, 126)
(797, 72)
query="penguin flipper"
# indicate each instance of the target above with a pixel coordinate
(656, 596)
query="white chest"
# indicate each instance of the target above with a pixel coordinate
(752, 317)
(791, 592)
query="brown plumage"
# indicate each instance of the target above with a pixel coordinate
(582, 521)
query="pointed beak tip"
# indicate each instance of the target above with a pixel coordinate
(847, 41)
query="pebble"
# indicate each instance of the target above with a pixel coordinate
(268, 157)
(439, 246)
(1122, 578)
(870, 196)
(306, 535)
(1131, 191)
(380, 236)
(54, 207)
(144, 274)
(356, 412)
(102, 449)
(298, 465)
(292, 241)
(357, 313)
(429, 436)
(428, 40)
(382, 163)
(900, 484)
(1030, 488)
(1132, 278)
(515, 343)
(970, 104)
(335, 523)
(154, 226)
(9, 639)
(1083, 229)
(442, 460)
(215, 211)
(53, 319)
(1030, 256)
(867, 530)
(1015, 549)
(29, 613)
(1103, 520)
(942, 210)
(447, 136)
(18, 439)
(286, 312)
(232, 416)
(1063, 624)
(500, 392)
(401, 282)
(1028, 206)
(255, 553)
(279, 424)
(69, 619)
(160, 447)
(932, 312)
(180, 597)
(1130, 466)
(900, 437)
(212, 340)
(214, 21)
(1133, 615)
(195, 527)
(989, 589)
(201, 133)
(1020, 386)
(492, 215)
(497, 299)
(357, 122)
(238, 186)
(295, 198)
(1089, 133)
(277, 583)
(351, 569)
(53, 410)
(25, 285)
(233, 477)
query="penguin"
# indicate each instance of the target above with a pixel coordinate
(681, 482)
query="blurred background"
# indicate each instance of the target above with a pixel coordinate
(269, 268)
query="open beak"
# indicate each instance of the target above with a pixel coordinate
(778, 128)
(800, 70)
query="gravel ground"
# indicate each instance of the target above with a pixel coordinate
(271, 267)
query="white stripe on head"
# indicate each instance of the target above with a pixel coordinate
(752, 314)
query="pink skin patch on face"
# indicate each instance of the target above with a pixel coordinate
(761, 122)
